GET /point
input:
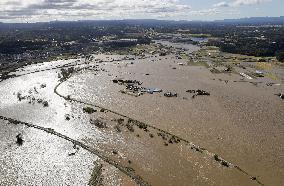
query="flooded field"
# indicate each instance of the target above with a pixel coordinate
(124, 120)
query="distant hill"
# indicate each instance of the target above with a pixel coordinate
(255, 20)
(144, 22)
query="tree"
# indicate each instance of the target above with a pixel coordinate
(280, 56)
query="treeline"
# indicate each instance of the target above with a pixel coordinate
(250, 46)
(21, 38)
(17, 47)
(247, 40)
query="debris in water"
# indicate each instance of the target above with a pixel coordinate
(270, 84)
(89, 110)
(114, 152)
(120, 121)
(98, 123)
(67, 117)
(221, 161)
(130, 127)
(190, 91)
(253, 178)
(20, 140)
(43, 85)
(198, 93)
(76, 150)
(245, 75)
(152, 90)
(45, 104)
(20, 97)
(117, 128)
(258, 73)
(280, 95)
(170, 94)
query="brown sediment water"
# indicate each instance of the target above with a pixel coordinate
(208, 121)
(227, 138)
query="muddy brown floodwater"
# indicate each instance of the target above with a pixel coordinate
(91, 133)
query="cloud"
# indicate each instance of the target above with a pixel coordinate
(249, 2)
(237, 3)
(222, 4)
(94, 9)
(212, 11)
(47, 10)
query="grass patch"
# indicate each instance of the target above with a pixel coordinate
(263, 66)
(271, 76)
(197, 63)
(184, 56)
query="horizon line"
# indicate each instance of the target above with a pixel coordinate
(181, 20)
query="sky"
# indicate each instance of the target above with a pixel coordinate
(70, 10)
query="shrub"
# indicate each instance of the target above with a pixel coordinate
(89, 110)
(280, 56)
